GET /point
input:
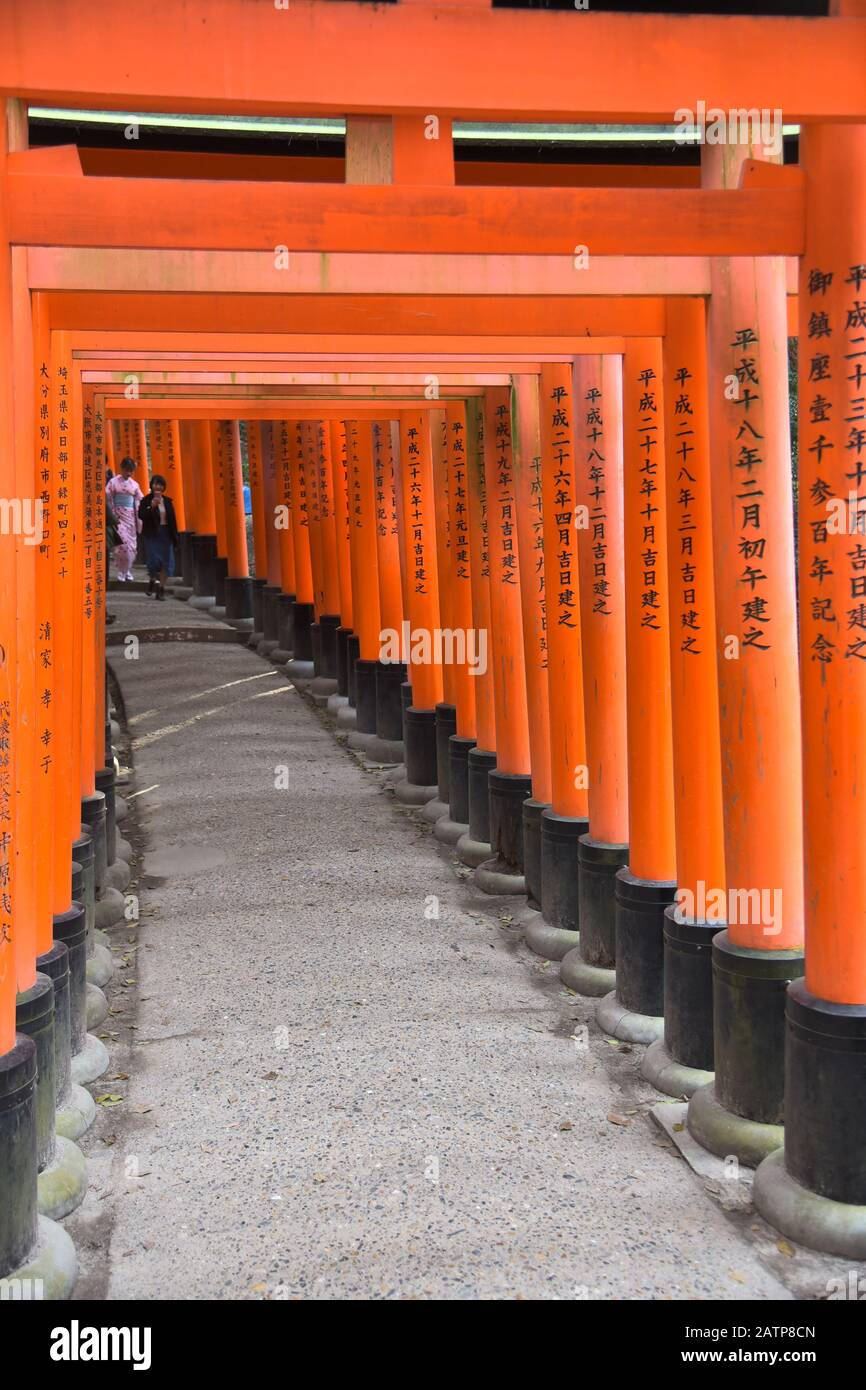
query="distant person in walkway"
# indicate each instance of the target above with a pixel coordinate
(123, 496)
(159, 531)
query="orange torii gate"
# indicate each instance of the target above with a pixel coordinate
(810, 71)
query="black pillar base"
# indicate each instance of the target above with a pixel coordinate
(18, 1163)
(186, 566)
(815, 1189)
(342, 656)
(503, 872)
(742, 1112)
(589, 968)
(284, 620)
(532, 812)
(203, 565)
(93, 816)
(34, 1017)
(258, 631)
(419, 739)
(390, 676)
(270, 595)
(324, 639)
(300, 667)
(329, 626)
(474, 847)
(238, 599)
(446, 725)
(82, 853)
(688, 991)
(105, 783)
(220, 575)
(458, 804)
(825, 1101)
(640, 918)
(560, 869)
(353, 655)
(70, 929)
(54, 965)
(634, 1010)
(406, 694)
(365, 700)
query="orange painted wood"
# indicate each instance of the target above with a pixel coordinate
(557, 419)
(753, 548)
(314, 519)
(217, 465)
(419, 538)
(365, 576)
(651, 838)
(387, 533)
(180, 164)
(598, 459)
(300, 507)
(461, 565)
(533, 596)
(832, 483)
(506, 640)
(537, 316)
(233, 490)
(62, 209)
(173, 462)
(697, 760)
(441, 468)
(207, 522)
(479, 566)
(8, 635)
(427, 60)
(257, 498)
(342, 517)
(284, 518)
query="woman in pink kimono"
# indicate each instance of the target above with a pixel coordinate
(124, 496)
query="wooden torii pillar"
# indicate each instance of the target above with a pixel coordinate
(815, 1188)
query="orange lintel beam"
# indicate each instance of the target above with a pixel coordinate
(59, 209)
(231, 56)
(223, 408)
(198, 164)
(426, 315)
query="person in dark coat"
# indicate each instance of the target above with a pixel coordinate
(159, 533)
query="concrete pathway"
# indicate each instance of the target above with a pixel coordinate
(339, 1075)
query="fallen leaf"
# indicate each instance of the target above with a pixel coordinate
(735, 1274)
(618, 1119)
(270, 1076)
(108, 1100)
(142, 1108)
(119, 1076)
(566, 1124)
(785, 1248)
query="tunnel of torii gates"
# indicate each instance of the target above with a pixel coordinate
(523, 518)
